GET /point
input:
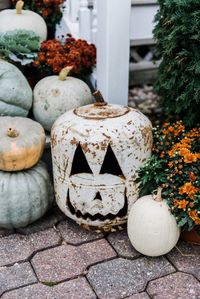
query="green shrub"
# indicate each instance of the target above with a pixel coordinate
(177, 32)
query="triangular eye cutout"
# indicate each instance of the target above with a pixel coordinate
(80, 164)
(98, 196)
(110, 163)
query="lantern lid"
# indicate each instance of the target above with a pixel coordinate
(101, 111)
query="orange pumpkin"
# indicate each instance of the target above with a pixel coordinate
(22, 143)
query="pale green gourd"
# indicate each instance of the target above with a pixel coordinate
(25, 196)
(15, 92)
(54, 95)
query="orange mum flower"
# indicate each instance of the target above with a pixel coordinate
(181, 204)
(197, 221)
(179, 130)
(41, 57)
(162, 155)
(194, 133)
(194, 216)
(181, 147)
(190, 158)
(36, 62)
(188, 189)
(46, 12)
(171, 129)
(175, 130)
(191, 205)
(192, 176)
(183, 151)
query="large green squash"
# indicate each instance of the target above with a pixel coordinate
(25, 196)
(15, 92)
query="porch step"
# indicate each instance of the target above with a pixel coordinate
(143, 72)
(134, 2)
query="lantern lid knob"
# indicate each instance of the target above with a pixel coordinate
(99, 99)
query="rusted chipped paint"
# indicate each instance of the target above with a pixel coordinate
(74, 141)
(85, 148)
(93, 198)
(101, 112)
(53, 140)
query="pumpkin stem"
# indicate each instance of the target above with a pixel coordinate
(12, 133)
(64, 73)
(19, 7)
(99, 99)
(158, 196)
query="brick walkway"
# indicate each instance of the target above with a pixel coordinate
(56, 259)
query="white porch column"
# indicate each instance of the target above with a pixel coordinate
(113, 46)
(94, 22)
(74, 9)
(69, 21)
(85, 21)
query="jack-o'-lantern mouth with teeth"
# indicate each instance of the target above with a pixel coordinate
(99, 197)
(109, 216)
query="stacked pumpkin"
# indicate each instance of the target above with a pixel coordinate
(25, 187)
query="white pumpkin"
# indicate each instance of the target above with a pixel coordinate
(152, 229)
(54, 95)
(12, 19)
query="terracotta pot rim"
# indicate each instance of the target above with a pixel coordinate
(191, 236)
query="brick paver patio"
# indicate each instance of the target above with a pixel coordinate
(56, 259)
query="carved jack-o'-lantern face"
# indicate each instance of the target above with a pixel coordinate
(97, 197)
(96, 152)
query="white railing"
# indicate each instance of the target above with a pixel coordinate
(111, 25)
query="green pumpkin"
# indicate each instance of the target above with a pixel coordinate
(15, 92)
(25, 196)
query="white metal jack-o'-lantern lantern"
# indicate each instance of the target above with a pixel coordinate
(96, 152)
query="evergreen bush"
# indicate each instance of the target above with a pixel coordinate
(177, 32)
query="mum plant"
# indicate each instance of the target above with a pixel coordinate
(178, 42)
(55, 54)
(175, 166)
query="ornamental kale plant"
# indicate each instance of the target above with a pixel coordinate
(19, 46)
(178, 42)
(175, 166)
